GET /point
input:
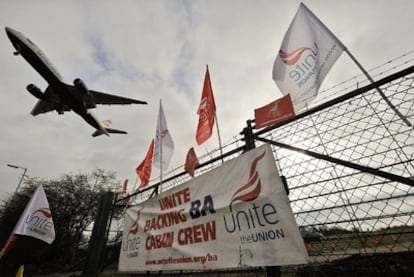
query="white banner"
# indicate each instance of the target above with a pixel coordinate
(233, 216)
(308, 52)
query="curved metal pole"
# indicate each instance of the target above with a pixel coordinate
(21, 178)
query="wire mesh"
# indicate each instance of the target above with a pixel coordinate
(347, 211)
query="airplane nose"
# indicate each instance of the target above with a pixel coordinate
(10, 31)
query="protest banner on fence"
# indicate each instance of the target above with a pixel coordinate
(235, 215)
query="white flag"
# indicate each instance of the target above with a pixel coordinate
(308, 52)
(35, 221)
(164, 145)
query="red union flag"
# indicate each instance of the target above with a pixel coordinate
(275, 112)
(308, 52)
(206, 111)
(125, 194)
(191, 162)
(35, 221)
(144, 169)
(124, 188)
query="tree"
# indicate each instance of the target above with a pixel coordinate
(73, 200)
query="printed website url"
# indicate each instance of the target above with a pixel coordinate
(196, 259)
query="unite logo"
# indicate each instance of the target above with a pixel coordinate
(204, 110)
(134, 227)
(164, 132)
(275, 110)
(258, 214)
(132, 245)
(251, 190)
(44, 211)
(304, 63)
(291, 58)
(203, 104)
(40, 221)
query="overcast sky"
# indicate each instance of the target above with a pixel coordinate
(152, 50)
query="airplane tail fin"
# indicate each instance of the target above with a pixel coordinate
(106, 131)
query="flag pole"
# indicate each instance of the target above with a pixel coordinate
(219, 138)
(403, 118)
(136, 183)
(160, 136)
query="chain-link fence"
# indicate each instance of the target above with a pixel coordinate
(350, 173)
(341, 210)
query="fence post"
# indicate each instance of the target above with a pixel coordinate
(271, 271)
(98, 239)
(248, 136)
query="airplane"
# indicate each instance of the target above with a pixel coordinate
(59, 95)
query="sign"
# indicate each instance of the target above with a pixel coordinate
(275, 112)
(233, 216)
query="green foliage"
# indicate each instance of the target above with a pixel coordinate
(73, 200)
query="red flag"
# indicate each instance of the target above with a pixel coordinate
(125, 194)
(206, 111)
(363, 242)
(191, 162)
(10, 243)
(144, 169)
(376, 240)
(124, 189)
(274, 112)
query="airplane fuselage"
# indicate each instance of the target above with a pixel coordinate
(34, 56)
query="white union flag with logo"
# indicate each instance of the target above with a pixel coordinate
(308, 52)
(36, 220)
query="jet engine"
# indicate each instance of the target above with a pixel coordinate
(35, 91)
(80, 85)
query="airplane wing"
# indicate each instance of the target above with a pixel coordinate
(50, 103)
(41, 107)
(109, 99)
(44, 107)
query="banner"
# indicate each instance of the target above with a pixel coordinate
(308, 52)
(275, 112)
(233, 216)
